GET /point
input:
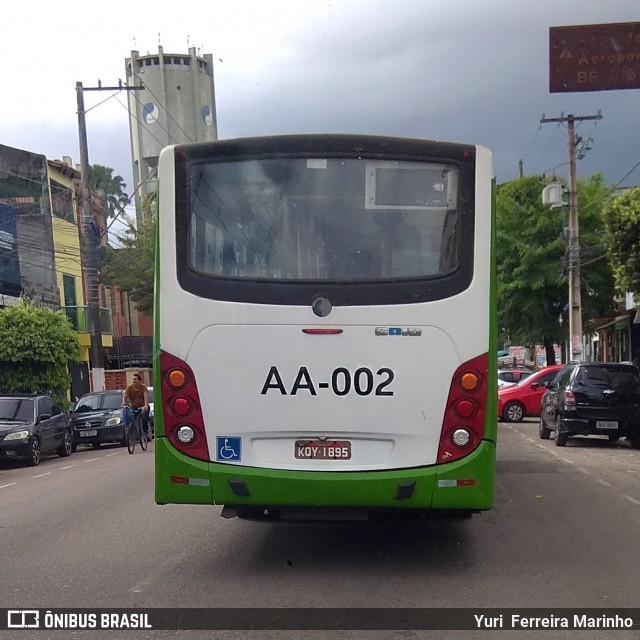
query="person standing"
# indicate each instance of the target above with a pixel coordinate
(137, 396)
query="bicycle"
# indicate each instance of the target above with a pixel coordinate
(135, 432)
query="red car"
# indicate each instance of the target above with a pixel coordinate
(524, 399)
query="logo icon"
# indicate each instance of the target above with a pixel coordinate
(23, 619)
(398, 331)
(228, 449)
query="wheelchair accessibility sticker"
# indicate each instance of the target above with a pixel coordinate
(228, 449)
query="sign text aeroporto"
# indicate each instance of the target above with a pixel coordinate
(595, 57)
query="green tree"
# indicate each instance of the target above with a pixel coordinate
(531, 256)
(102, 180)
(36, 347)
(131, 267)
(622, 237)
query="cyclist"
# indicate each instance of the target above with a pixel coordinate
(137, 395)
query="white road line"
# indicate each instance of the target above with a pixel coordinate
(567, 460)
(581, 469)
(42, 475)
(604, 482)
(69, 466)
(92, 460)
(630, 499)
(3, 486)
(529, 439)
(113, 454)
(553, 453)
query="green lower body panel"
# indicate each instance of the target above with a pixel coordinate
(465, 484)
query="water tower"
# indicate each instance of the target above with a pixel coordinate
(176, 106)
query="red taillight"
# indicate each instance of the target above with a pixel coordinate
(323, 332)
(463, 424)
(569, 399)
(181, 406)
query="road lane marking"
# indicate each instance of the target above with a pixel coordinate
(42, 475)
(69, 466)
(581, 469)
(92, 460)
(604, 482)
(4, 486)
(630, 499)
(113, 454)
(567, 460)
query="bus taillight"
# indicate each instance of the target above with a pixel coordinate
(182, 412)
(463, 424)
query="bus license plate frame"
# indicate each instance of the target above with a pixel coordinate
(315, 449)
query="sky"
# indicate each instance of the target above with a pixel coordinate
(470, 71)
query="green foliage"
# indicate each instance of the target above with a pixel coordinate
(36, 347)
(101, 179)
(532, 260)
(622, 224)
(131, 267)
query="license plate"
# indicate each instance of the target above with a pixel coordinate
(323, 449)
(606, 424)
(88, 433)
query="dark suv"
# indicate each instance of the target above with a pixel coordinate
(98, 418)
(593, 398)
(31, 426)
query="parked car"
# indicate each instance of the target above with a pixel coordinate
(524, 399)
(97, 418)
(151, 408)
(32, 426)
(589, 398)
(514, 375)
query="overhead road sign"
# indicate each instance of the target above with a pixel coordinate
(594, 57)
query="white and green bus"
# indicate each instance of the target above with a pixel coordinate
(325, 327)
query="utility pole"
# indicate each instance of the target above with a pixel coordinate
(91, 236)
(575, 300)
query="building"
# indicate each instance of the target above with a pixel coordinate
(176, 106)
(27, 261)
(40, 245)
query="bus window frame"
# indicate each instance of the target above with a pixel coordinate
(301, 293)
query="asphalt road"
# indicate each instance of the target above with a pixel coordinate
(84, 531)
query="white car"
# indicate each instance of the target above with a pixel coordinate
(150, 406)
(504, 383)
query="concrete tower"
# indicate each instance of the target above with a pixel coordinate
(176, 106)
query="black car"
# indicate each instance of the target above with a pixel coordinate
(593, 398)
(98, 418)
(31, 426)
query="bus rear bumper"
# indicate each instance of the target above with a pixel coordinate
(465, 485)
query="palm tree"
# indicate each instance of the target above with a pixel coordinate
(101, 179)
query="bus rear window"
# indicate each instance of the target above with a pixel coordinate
(323, 219)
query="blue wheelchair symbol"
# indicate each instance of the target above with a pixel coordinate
(228, 449)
